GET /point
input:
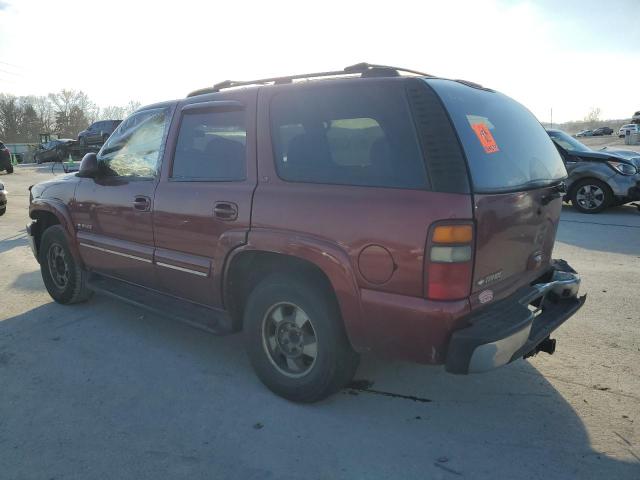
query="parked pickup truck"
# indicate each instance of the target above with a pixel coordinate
(371, 209)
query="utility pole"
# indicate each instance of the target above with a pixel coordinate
(551, 117)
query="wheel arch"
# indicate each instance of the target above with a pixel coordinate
(313, 259)
(49, 213)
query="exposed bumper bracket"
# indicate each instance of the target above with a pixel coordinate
(513, 327)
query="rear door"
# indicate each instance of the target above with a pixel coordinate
(515, 170)
(203, 202)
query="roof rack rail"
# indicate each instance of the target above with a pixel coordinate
(364, 69)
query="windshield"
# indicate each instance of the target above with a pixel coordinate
(506, 147)
(567, 142)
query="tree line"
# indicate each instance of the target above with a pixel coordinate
(65, 113)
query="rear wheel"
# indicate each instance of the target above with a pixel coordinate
(591, 196)
(10, 168)
(63, 277)
(295, 339)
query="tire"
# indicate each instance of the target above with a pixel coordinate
(590, 195)
(63, 277)
(3, 210)
(273, 323)
(10, 168)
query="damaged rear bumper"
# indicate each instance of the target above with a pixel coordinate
(513, 327)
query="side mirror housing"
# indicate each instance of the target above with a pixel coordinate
(89, 166)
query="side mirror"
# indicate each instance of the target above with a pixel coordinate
(89, 166)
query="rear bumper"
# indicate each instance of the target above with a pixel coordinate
(513, 327)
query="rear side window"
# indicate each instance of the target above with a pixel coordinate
(211, 146)
(505, 145)
(347, 134)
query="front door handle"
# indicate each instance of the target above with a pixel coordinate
(225, 210)
(142, 203)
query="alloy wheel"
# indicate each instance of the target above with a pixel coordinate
(590, 197)
(289, 339)
(58, 266)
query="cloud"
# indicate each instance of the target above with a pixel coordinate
(4, 5)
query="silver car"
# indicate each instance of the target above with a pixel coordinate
(597, 179)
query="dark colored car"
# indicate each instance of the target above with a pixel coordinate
(3, 199)
(53, 151)
(598, 179)
(5, 159)
(98, 132)
(409, 216)
(602, 131)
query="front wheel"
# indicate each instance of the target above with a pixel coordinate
(10, 169)
(591, 196)
(296, 340)
(63, 277)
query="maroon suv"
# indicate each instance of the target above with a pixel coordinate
(363, 210)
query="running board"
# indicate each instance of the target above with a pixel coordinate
(211, 320)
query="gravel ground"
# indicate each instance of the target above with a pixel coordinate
(105, 390)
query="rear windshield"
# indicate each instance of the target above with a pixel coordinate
(506, 147)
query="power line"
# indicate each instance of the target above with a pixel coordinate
(10, 73)
(10, 64)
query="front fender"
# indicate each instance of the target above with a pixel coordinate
(330, 258)
(62, 214)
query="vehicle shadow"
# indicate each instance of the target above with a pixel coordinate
(113, 391)
(594, 232)
(16, 240)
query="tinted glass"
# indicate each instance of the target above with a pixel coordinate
(136, 151)
(211, 146)
(360, 134)
(505, 145)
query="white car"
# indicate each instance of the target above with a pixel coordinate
(633, 127)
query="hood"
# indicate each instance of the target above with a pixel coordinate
(630, 155)
(56, 186)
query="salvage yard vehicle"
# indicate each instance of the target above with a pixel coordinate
(97, 133)
(55, 150)
(371, 209)
(3, 199)
(597, 179)
(5, 159)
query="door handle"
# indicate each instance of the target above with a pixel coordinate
(142, 203)
(225, 210)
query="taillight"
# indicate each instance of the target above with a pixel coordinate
(449, 262)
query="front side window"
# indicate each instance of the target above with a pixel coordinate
(350, 135)
(136, 151)
(211, 146)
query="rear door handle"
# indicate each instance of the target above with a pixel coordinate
(142, 203)
(225, 210)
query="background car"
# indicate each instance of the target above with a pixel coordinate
(636, 117)
(632, 127)
(602, 131)
(98, 132)
(5, 159)
(585, 133)
(3, 199)
(53, 151)
(597, 179)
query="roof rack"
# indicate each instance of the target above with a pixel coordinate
(363, 69)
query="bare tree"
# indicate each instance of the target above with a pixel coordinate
(593, 117)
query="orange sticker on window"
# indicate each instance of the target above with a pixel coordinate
(486, 139)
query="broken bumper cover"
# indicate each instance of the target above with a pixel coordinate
(30, 237)
(513, 327)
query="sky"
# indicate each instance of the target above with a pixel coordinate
(569, 55)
